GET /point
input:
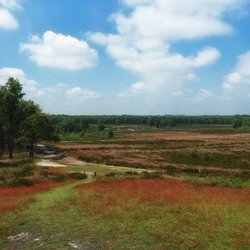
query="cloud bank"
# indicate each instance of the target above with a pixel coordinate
(60, 51)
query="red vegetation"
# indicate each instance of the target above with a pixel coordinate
(17, 197)
(163, 192)
(17, 191)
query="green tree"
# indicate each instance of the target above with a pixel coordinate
(36, 126)
(101, 126)
(11, 96)
(1, 123)
(110, 133)
(237, 121)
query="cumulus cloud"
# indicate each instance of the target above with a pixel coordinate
(201, 96)
(60, 51)
(240, 76)
(147, 32)
(11, 4)
(78, 95)
(30, 87)
(7, 20)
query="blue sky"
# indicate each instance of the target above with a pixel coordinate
(129, 56)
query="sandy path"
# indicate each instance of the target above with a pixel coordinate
(49, 163)
(54, 160)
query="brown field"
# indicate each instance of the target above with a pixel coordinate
(207, 151)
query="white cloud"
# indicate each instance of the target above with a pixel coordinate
(11, 4)
(7, 20)
(60, 51)
(78, 95)
(147, 32)
(240, 76)
(30, 87)
(202, 95)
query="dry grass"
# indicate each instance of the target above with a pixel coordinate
(158, 149)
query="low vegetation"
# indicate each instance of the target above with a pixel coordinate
(122, 182)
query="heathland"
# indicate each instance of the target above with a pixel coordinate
(142, 187)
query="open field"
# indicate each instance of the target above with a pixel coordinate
(129, 214)
(124, 207)
(209, 150)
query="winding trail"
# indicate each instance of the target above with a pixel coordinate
(51, 159)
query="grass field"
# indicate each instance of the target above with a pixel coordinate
(208, 149)
(128, 214)
(196, 197)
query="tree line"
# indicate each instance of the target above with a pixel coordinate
(22, 122)
(75, 124)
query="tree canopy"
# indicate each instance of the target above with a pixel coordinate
(21, 120)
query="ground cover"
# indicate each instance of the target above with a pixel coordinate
(159, 149)
(131, 214)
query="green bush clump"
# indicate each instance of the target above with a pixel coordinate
(59, 177)
(112, 174)
(25, 171)
(194, 153)
(208, 157)
(131, 173)
(152, 175)
(77, 176)
(20, 182)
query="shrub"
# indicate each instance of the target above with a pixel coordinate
(25, 171)
(152, 175)
(112, 174)
(110, 133)
(131, 173)
(194, 153)
(208, 157)
(101, 127)
(59, 177)
(19, 182)
(172, 169)
(44, 172)
(77, 176)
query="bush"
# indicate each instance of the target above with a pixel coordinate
(172, 169)
(208, 157)
(152, 175)
(59, 177)
(194, 153)
(19, 182)
(112, 174)
(131, 173)
(25, 171)
(110, 134)
(101, 127)
(77, 176)
(44, 172)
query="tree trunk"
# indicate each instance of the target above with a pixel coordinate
(31, 152)
(10, 148)
(1, 146)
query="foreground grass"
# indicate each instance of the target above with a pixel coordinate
(132, 214)
(39, 219)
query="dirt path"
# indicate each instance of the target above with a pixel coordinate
(51, 159)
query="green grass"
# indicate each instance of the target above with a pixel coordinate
(43, 218)
(111, 219)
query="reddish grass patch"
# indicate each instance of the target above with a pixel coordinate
(17, 191)
(17, 197)
(164, 192)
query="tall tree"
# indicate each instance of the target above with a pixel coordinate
(36, 127)
(1, 122)
(11, 96)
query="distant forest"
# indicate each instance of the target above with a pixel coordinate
(76, 124)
